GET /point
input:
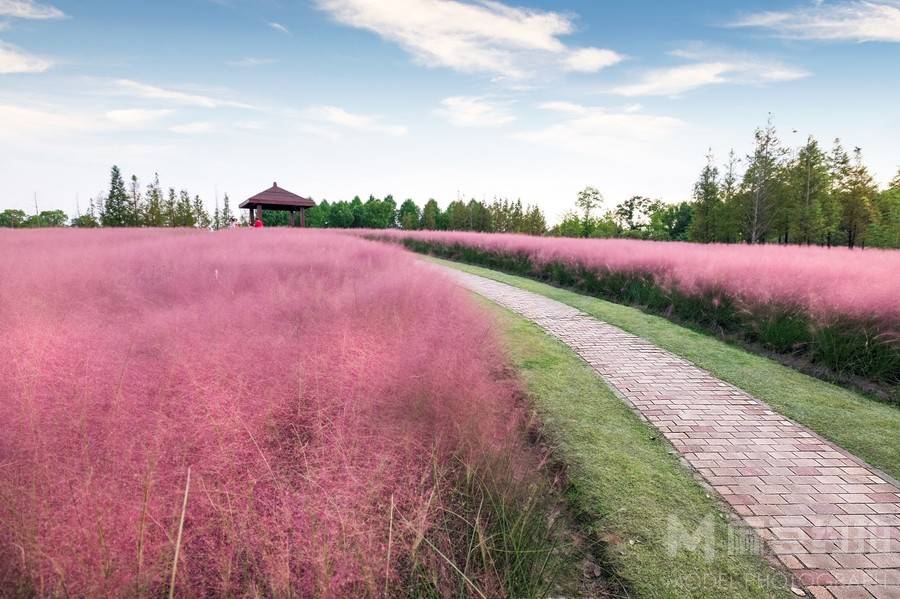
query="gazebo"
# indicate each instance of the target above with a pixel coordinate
(276, 198)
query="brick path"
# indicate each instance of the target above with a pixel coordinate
(833, 521)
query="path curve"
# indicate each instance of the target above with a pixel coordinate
(831, 519)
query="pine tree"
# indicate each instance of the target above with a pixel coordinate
(838, 178)
(227, 214)
(184, 210)
(134, 214)
(707, 204)
(170, 209)
(759, 186)
(199, 214)
(808, 183)
(154, 204)
(728, 219)
(535, 223)
(115, 209)
(856, 208)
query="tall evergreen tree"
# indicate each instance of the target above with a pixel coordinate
(856, 209)
(707, 204)
(808, 184)
(227, 214)
(534, 223)
(134, 215)
(760, 185)
(839, 184)
(201, 216)
(115, 209)
(154, 204)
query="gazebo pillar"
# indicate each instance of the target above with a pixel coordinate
(258, 212)
(303, 217)
(292, 217)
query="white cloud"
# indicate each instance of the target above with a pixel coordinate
(14, 60)
(591, 60)
(29, 9)
(250, 62)
(673, 81)
(484, 36)
(851, 20)
(473, 111)
(334, 115)
(592, 128)
(279, 27)
(152, 92)
(136, 117)
(192, 128)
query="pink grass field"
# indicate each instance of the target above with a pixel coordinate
(827, 283)
(306, 378)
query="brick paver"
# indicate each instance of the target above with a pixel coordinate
(833, 521)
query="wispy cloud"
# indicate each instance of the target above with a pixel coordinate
(279, 27)
(137, 117)
(474, 111)
(193, 128)
(29, 9)
(250, 62)
(14, 60)
(334, 115)
(592, 128)
(484, 36)
(591, 60)
(152, 92)
(709, 68)
(846, 20)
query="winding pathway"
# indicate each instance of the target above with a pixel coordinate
(832, 520)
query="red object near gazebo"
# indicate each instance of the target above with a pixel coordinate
(276, 198)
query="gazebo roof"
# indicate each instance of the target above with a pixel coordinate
(277, 197)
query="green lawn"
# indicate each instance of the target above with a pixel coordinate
(865, 427)
(630, 491)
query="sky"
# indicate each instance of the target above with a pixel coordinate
(430, 98)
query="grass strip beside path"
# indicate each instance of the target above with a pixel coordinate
(865, 427)
(627, 486)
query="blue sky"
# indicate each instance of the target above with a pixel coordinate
(430, 98)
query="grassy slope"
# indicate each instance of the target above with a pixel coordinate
(626, 484)
(867, 428)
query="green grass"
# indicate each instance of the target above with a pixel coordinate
(628, 489)
(865, 427)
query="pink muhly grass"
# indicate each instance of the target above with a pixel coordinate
(826, 283)
(309, 381)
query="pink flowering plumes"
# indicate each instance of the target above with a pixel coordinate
(826, 283)
(309, 380)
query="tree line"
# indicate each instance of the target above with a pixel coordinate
(803, 196)
(775, 194)
(498, 216)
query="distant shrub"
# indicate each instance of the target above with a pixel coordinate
(327, 394)
(838, 307)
